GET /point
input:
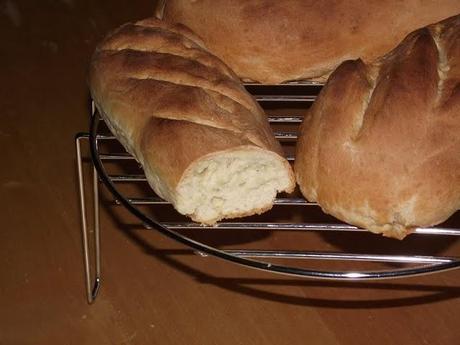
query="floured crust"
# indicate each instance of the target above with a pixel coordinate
(171, 103)
(272, 41)
(380, 148)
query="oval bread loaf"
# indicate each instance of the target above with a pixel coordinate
(272, 41)
(380, 147)
(203, 141)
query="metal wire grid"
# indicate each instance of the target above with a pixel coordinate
(423, 264)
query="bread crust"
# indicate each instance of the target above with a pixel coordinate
(171, 103)
(380, 148)
(272, 41)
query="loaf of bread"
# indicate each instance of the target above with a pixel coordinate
(203, 141)
(272, 41)
(380, 147)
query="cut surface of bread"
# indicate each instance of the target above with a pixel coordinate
(241, 181)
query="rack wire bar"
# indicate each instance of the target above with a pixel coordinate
(282, 98)
(271, 119)
(158, 201)
(418, 265)
(282, 135)
(285, 119)
(296, 254)
(117, 156)
(300, 227)
(127, 156)
(289, 83)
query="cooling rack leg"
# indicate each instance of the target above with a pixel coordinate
(92, 287)
(97, 238)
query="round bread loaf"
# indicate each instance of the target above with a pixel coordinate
(380, 147)
(203, 141)
(272, 41)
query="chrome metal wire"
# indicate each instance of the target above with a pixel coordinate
(414, 264)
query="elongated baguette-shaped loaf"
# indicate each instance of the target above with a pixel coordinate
(203, 141)
(380, 148)
(271, 41)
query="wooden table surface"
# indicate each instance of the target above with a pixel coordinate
(154, 290)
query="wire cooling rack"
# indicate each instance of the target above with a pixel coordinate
(108, 162)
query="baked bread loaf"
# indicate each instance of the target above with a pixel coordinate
(272, 41)
(203, 141)
(380, 147)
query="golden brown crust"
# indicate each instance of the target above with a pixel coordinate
(272, 41)
(170, 102)
(380, 148)
(162, 132)
(141, 38)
